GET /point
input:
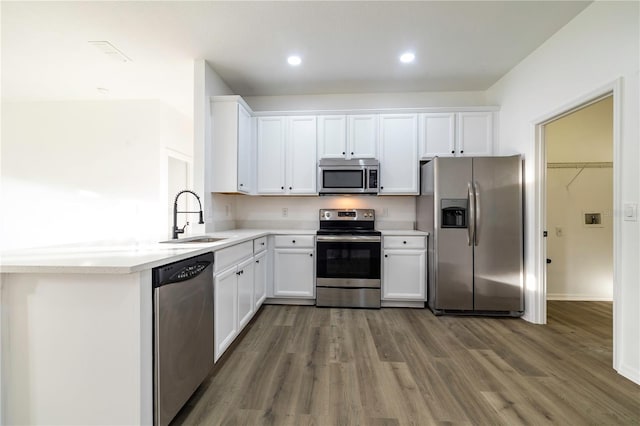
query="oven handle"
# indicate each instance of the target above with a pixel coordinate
(348, 239)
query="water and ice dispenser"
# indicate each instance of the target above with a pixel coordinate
(454, 213)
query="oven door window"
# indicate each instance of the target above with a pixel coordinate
(348, 260)
(344, 179)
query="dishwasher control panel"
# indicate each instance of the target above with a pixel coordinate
(181, 271)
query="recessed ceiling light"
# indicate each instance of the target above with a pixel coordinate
(294, 60)
(407, 57)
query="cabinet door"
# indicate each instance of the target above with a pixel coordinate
(225, 288)
(437, 135)
(399, 154)
(293, 274)
(332, 136)
(301, 156)
(363, 136)
(224, 144)
(260, 280)
(404, 275)
(245, 292)
(245, 151)
(475, 134)
(271, 155)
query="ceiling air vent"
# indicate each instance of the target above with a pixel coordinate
(111, 51)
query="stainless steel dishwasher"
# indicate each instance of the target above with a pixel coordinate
(182, 332)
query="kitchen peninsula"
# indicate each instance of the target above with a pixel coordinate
(77, 326)
(77, 329)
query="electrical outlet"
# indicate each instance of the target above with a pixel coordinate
(385, 212)
(227, 210)
(285, 212)
(558, 231)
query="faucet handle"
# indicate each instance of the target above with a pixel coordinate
(181, 230)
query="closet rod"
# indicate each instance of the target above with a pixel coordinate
(590, 165)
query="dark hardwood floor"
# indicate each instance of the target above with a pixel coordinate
(299, 365)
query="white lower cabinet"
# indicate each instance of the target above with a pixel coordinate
(246, 305)
(404, 268)
(259, 279)
(225, 297)
(238, 290)
(294, 266)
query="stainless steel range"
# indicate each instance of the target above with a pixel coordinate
(348, 259)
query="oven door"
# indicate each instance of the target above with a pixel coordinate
(348, 261)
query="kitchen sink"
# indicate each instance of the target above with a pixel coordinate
(194, 240)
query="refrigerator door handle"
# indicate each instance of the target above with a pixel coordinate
(471, 227)
(476, 208)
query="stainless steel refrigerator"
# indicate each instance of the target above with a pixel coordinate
(472, 208)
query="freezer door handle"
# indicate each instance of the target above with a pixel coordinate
(471, 228)
(477, 210)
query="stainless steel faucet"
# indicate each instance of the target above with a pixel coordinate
(175, 229)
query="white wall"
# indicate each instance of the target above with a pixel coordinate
(365, 101)
(302, 212)
(80, 171)
(582, 256)
(599, 46)
(206, 84)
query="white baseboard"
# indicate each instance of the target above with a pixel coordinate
(402, 304)
(285, 301)
(630, 373)
(578, 297)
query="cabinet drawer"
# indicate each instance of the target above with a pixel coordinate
(259, 244)
(231, 255)
(294, 241)
(405, 242)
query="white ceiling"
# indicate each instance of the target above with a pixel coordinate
(346, 47)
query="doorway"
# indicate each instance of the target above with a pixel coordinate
(579, 203)
(538, 269)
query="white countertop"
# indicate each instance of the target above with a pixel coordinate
(122, 258)
(129, 257)
(404, 232)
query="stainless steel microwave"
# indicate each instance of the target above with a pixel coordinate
(356, 176)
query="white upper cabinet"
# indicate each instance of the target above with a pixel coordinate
(475, 133)
(332, 136)
(362, 136)
(301, 156)
(347, 136)
(271, 151)
(287, 155)
(451, 134)
(232, 145)
(399, 163)
(437, 135)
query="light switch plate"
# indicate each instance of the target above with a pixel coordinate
(630, 212)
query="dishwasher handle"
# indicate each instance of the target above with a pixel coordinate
(182, 270)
